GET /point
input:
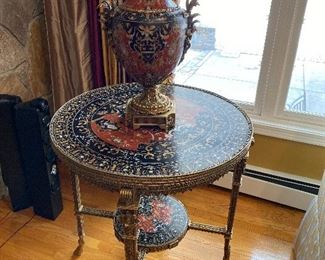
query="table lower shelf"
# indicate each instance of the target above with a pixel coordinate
(162, 222)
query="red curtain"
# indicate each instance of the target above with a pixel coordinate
(95, 38)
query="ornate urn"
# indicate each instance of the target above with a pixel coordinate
(149, 38)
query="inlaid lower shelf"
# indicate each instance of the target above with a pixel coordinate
(162, 222)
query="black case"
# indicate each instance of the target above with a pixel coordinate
(10, 159)
(39, 160)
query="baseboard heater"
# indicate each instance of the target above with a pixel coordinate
(279, 189)
(286, 182)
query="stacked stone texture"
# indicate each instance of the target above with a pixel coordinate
(24, 61)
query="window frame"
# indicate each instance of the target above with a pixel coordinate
(268, 114)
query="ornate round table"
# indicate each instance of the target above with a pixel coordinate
(212, 137)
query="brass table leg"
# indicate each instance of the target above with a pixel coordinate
(236, 182)
(128, 206)
(77, 206)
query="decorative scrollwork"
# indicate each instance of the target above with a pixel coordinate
(107, 10)
(191, 28)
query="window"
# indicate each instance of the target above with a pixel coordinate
(307, 85)
(227, 49)
(267, 56)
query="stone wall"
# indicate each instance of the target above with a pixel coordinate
(24, 62)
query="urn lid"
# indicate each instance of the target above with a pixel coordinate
(148, 5)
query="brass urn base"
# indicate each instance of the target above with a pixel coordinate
(151, 108)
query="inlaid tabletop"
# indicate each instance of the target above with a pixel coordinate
(211, 135)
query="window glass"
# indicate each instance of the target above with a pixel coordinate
(227, 48)
(307, 87)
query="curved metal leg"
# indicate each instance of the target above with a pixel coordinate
(128, 206)
(236, 182)
(77, 208)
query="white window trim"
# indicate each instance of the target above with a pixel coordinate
(268, 115)
(292, 131)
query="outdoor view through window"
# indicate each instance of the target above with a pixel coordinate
(227, 48)
(307, 87)
(227, 51)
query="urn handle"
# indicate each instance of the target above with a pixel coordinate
(191, 28)
(107, 11)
